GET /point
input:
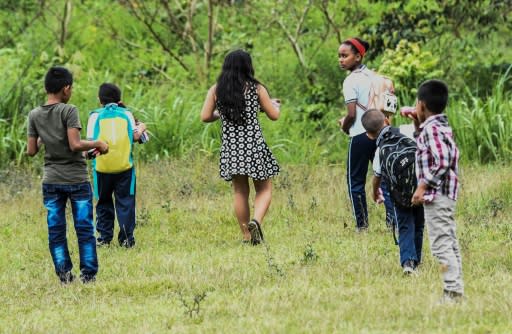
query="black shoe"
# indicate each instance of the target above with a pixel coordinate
(87, 278)
(67, 277)
(127, 243)
(256, 232)
(362, 229)
(102, 243)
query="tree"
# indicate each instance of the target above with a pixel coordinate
(175, 28)
(16, 17)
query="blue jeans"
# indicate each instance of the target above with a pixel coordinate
(360, 153)
(118, 185)
(388, 204)
(411, 222)
(55, 197)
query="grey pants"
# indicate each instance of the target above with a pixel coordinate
(439, 217)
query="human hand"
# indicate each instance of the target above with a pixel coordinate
(378, 197)
(410, 112)
(276, 103)
(102, 147)
(407, 110)
(340, 123)
(418, 196)
(141, 127)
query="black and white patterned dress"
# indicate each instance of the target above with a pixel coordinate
(244, 150)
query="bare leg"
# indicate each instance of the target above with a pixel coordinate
(263, 198)
(241, 203)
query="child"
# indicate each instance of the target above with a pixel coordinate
(437, 159)
(114, 174)
(238, 97)
(391, 144)
(57, 125)
(356, 91)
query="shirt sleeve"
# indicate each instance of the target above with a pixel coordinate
(377, 170)
(72, 118)
(91, 124)
(350, 90)
(436, 157)
(132, 120)
(31, 127)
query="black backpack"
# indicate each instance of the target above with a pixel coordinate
(397, 159)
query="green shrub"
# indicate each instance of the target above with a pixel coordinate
(408, 65)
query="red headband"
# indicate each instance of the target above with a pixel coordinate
(358, 46)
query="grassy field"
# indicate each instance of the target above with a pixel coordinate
(189, 273)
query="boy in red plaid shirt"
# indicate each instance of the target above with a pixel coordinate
(437, 158)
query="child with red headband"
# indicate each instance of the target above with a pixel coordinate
(356, 91)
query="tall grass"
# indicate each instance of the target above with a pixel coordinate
(483, 126)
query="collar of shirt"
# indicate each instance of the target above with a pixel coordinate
(359, 69)
(439, 118)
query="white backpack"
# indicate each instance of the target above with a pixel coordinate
(381, 95)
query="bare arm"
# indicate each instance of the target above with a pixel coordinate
(347, 121)
(33, 145)
(76, 144)
(266, 104)
(208, 113)
(376, 194)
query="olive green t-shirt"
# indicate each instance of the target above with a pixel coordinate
(50, 123)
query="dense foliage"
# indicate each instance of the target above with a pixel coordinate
(165, 54)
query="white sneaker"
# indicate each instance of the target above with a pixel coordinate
(409, 267)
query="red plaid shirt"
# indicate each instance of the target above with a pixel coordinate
(437, 158)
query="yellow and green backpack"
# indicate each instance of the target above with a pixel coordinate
(114, 127)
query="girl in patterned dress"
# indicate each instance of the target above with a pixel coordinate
(236, 99)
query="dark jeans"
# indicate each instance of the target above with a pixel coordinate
(55, 197)
(411, 222)
(388, 204)
(119, 185)
(360, 152)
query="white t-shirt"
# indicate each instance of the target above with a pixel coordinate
(92, 122)
(356, 88)
(406, 129)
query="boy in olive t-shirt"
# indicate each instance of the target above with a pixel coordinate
(57, 125)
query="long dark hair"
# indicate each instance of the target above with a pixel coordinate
(237, 72)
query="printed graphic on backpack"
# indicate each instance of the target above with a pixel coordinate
(390, 102)
(397, 157)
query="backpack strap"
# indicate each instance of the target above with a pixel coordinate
(361, 106)
(93, 164)
(385, 133)
(95, 183)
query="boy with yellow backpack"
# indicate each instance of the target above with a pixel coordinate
(114, 173)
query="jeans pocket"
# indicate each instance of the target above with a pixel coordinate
(50, 193)
(81, 192)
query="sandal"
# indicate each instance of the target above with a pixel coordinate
(256, 232)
